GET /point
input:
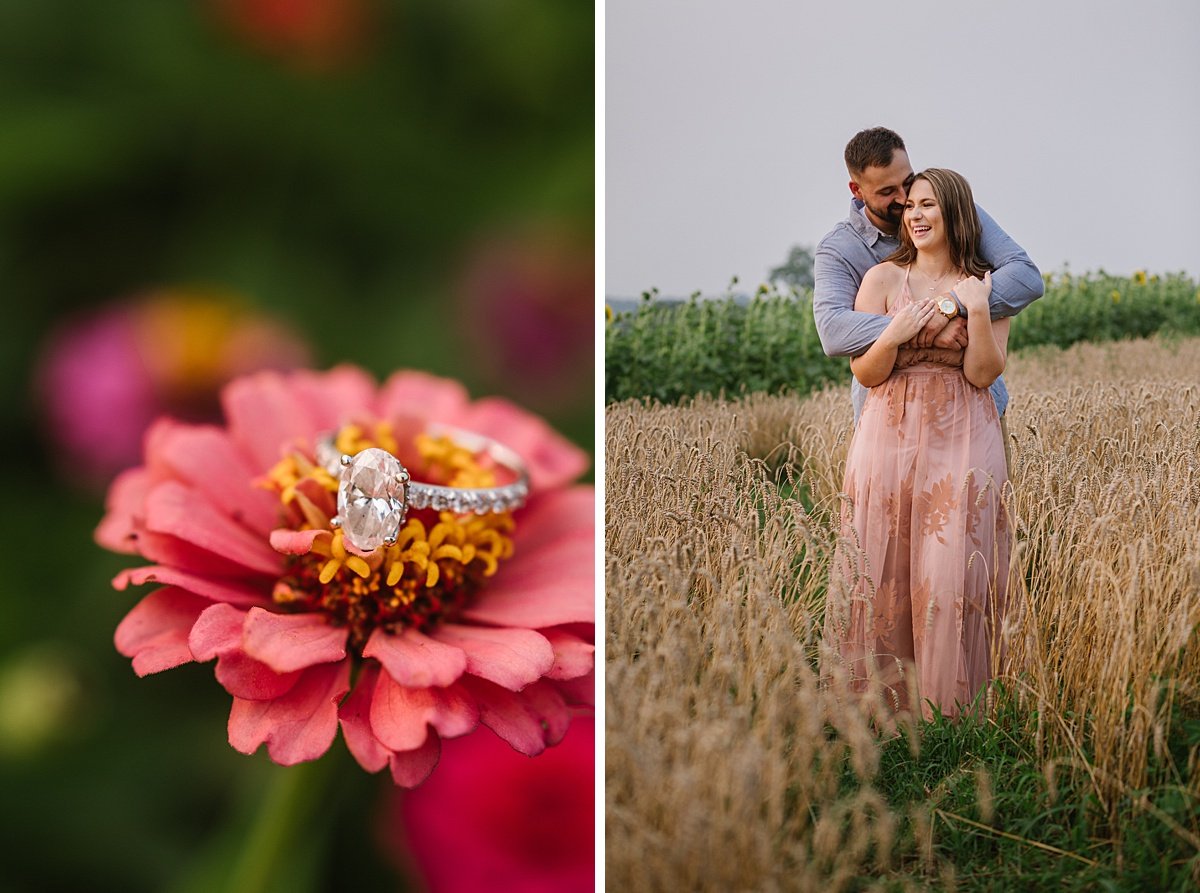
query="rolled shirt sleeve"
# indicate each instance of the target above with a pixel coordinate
(1016, 282)
(844, 331)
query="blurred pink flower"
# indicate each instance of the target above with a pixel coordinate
(103, 378)
(492, 820)
(429, 637)
(529, 300)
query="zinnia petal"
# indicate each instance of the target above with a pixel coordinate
(411, 767)
(512, 658)
(124, 511)
(265, 415)
(335, 397)
(155, 632)
(298, 726)
(354, 715)
(551, 578)
(411, 394)
(295, 542)
(529, 720)
(573, 657)
(217, 630)
(399, 715)
(547, 703)
(414, 659)
(176, 510)
(214, 588)
(206, 457)
(286, 642)
(244, 677)
(171, 551)
(580, 692)
(552, 460)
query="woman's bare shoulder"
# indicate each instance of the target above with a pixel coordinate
(879, 285)
(885, 274)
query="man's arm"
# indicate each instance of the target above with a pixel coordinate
(1016, 282)
(844, 332)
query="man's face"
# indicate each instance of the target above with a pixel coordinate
(883, 190)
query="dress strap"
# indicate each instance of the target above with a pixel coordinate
(906, 290)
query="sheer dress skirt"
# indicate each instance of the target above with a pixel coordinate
(920, 571)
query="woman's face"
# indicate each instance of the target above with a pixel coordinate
(923, 216)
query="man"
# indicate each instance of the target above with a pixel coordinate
(879, 177)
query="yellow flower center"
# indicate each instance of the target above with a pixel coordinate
(427, 576)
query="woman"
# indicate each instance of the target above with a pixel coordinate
(921, 569)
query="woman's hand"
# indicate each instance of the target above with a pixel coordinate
(907, 322)
(974, 293)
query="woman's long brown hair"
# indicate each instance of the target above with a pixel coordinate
(963, 230)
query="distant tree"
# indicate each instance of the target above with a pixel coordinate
(796, 271)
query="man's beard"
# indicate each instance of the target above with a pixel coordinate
(893, 213)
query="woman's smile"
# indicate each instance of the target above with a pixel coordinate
(922, 213)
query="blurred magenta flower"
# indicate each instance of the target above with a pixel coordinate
(492, 820)
(318, 35)
(103, 378)
(529, 299)
(461, 620)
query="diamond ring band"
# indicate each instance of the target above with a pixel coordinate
(375, 491)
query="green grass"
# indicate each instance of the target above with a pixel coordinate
(999, 824)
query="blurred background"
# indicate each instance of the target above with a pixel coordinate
(194, 189)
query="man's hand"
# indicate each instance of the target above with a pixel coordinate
(925, 337)
(953, 336)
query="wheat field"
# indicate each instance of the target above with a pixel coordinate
(724, 751)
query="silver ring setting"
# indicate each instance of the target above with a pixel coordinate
(375, 491)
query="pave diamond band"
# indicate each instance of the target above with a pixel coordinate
(375, 491)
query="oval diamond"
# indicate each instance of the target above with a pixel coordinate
(371, 502)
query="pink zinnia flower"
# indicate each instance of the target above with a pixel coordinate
(464, 620)
(103, 377)
(492, 820)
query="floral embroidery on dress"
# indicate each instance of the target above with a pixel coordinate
(935, 506)
(884, 620)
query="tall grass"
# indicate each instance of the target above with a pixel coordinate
(730, 767)
(721, 773)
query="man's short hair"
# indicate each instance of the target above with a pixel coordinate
(872, 148)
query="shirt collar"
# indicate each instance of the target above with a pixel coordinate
(869, 232)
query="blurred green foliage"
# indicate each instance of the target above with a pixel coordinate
(669, 351)
(1102, 307)
(148, 145)
(152, 144)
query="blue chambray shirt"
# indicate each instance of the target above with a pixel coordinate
(855, 245)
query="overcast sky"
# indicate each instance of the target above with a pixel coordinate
(1077, 124)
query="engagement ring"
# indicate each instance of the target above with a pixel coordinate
(375, 491)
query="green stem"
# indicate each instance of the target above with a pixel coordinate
(291, 798)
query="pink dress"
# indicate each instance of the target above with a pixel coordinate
(921, 568)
